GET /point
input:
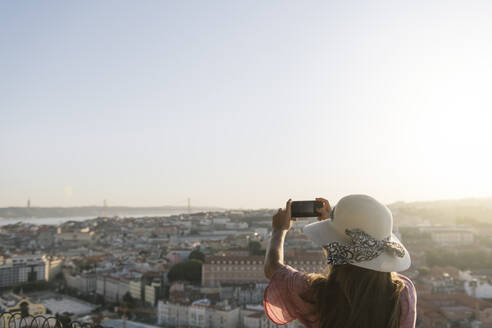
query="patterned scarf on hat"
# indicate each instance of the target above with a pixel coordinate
(362, 247)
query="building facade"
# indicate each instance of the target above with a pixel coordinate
(450, 235)
(249, 269)
(112, 288)
(136, 289)
(200, 313)
(21, 269)
(84, 283)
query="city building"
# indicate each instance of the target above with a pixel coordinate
(452, 310)
(152, 292)
(74, 238)
(21, 269)
(201, 313)
(136, 289)
(243, 294)
(45, 236)
(53, 266)
(249, 269)
(476, 285)
(84, 283)
(450, 235)
(256, 318)
(167, 230)
(13, 302)
(236, 225)
(111, 287)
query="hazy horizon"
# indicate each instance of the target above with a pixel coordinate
(243, 104)
(211, 206)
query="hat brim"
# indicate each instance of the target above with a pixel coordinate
(323, 233)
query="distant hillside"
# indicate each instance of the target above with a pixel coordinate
(483, 202)
(446, 211)
(54, 212)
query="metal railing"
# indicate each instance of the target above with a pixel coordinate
(17, 320)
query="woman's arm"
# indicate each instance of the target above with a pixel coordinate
(274, 259)
(281, 223)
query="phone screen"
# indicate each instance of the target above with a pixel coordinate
(306, 208)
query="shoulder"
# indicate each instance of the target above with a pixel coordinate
(408, 283)
(293, 278)
(283, 299)
(408, 301)
(409, 292)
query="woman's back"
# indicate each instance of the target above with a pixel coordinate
(352, 297)
(294, 295)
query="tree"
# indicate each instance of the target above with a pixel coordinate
(196, 254)
(190, 270)
(100, 300)
(254, 247)
(24, 309)
(128, 300)
(460, 258)
(424, 271)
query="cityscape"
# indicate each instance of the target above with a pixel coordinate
(205, 269)
(148, 150)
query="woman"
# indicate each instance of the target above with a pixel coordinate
(361, 288)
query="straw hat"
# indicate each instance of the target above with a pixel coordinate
(360, 233)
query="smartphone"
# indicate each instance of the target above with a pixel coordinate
(305, 208)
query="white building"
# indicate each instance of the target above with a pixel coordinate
(206, 222)
(172, 314)
(450, 235)
(479, 288)
(85, 283)
(151, 292)
(255, 317)
(236, 225)
(198, 314)
(112, 288)
(136, 289)
(220, 220)
(261, 231)
(74, 237)
(53, 266)
(242, 294)
(476, 286)
(21, 269)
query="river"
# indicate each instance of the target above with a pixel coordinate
(60, 220)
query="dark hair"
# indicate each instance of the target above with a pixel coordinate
(348, 296)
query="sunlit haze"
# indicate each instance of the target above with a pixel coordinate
(243, 104)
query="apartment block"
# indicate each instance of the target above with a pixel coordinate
(112, 288)
(249, 269)
(201, 313)
(21, 269)
(450, 235)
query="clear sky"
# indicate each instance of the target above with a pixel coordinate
(243, 103)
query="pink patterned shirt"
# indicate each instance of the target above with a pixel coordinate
(282, 301)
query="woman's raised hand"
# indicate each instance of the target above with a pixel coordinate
(325, 210)
(282, 220)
